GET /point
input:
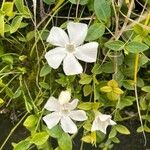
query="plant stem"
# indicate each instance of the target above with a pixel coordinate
(136, 94)
(11, 132)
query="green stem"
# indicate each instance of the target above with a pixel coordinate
(11, 132)
(136, 94)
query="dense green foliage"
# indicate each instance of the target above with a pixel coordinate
(117, 83)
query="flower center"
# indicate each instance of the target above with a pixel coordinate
(70, 48)
(65, 112)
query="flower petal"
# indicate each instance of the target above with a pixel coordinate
(95, 125)
(68, 125)
(57, 37)
(52, 119)
(104, 117)
(55, 56)
(112, 122)
(77, 32)
(78, 115)
(52, 104)
(87, 52)
(71, 65)
(98, 125)
(64, 97)
(72, 105)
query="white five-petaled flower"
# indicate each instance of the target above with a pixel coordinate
(63, 112)
(70, 48)
(101, 122)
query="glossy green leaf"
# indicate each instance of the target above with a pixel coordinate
(85, 106)
(44, 85)
(39, 138)
(122, 129)
(22, 145)
(146, 89)
(8, 8)
(20, 5)
(112, 133)
(16, 22)
(49, 2)
(96, 69)
(95, 31)
(55, 132)
(81, 2)
(30, 121)
(87, 89)
(65, 142)
(124, 102)
(136, 47)
(115, 45)
(108, 67)
(1, 101)
(85, 79)
(102, 10)
(45, 70)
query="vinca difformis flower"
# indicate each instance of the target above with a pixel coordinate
(63, 112)
(101, 122)
(70, 48)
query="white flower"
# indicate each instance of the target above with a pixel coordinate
(101, 122)
(70, 48)
(63, 113)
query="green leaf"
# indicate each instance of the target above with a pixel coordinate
(49, 2)
(85, 106)
(115, 45)
(30, 121)
(39, 138)
(44, 85)
(1, 101)
(115, 140)
(112, 133)
(122, 129)
(2, 24)
(95, 31)
(16, 22)
(143, 104)
(146, 89)
(102, 10)
(108, 67)
(9, 92)
(85, 79)
(17, 93)
(65, 142)
(136, 47)
(22, 145)
(8, 59)
(124, 102)
(45, 70)
(113, 96)
(55, 132)
(87, 89)
(96, 69)
(20, 5)
(128, 84)
(8, 8)
(81, 2)
(106, 89)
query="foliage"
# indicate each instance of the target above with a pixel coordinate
(117, 82)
